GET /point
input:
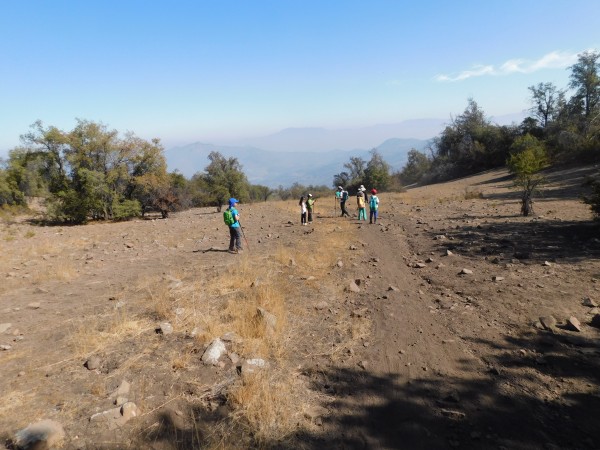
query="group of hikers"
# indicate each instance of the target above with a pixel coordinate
(231, 216)
(362, 199)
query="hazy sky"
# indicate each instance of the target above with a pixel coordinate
(188, 71)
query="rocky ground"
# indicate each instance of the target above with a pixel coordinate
(452, 323)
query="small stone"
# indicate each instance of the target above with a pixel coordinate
(5, 347)
(165, 328)
(352, 287)
(340, 263)
(213, 352)
(497, 278)
(449, 253)
(419, 265)
(122, 390)
(363, 365)
(321, 305)
(595, 321)
(573, 324)
(128, 245)
(393, 288)
(546, 263)
(586, 302)
(548, 322)
(232, 337)
(466, 272)
(129, 410)
(120, 401)
(34, 305)
(93, 363)
(353, 247)
(43, 434)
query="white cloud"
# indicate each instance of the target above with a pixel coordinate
(553, 60)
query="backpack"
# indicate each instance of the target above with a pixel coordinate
(228, 218)
(345, 195)
(373, 202)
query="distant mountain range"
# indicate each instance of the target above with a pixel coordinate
(311, 155)
(272, 168)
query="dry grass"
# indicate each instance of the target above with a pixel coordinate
(100, 332)
(269, 403)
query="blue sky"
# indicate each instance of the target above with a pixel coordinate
(187, 71)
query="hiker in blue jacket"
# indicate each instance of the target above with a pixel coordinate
(235, 236)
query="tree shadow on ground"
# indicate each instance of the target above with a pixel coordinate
(535, 241)
(529, 391)
(562, 184)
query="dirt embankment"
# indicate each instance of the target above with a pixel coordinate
(422, 331)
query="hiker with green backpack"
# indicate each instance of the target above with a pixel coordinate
(231, 217)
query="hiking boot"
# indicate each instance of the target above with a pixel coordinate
(233, 251)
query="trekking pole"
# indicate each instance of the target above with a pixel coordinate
(244, 236)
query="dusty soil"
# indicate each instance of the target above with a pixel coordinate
(423, 356)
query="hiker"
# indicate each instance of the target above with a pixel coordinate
(343, 199)
(373, 206)
(310, 204)
(303, 210)
(235, 236)
(338, 197)
(361, 203)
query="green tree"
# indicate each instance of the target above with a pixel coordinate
(377, 173)
(545, 99)
(586, 81)
(417, 165)
(225, 179)
(527, 159)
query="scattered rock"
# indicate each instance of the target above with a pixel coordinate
(449, 253)
(321, 305)
(340, 263)
(93, 363)
(352, 287)
(251, 366)
(547, 264)
(353, 247)
(292, 262)
(165, 328)
(116, 417)
(40, 435)
(595, 321)
(122, 390)
(232, 337)
(5, 347)
(573, 324)
(363, 365)
(466, 272)
(128, 245)
(120, 400)
(497, 278)
(586, 302)
(549, 323)
(268, 319)
(129, 410)
(393, 288)
(453, 414)
(34, 305)
(213, 353)
(4, 327)
(419, 265)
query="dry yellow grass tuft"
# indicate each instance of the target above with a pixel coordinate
(268, 403)
(101, 332)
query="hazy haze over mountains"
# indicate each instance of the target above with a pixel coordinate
(312, 155)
